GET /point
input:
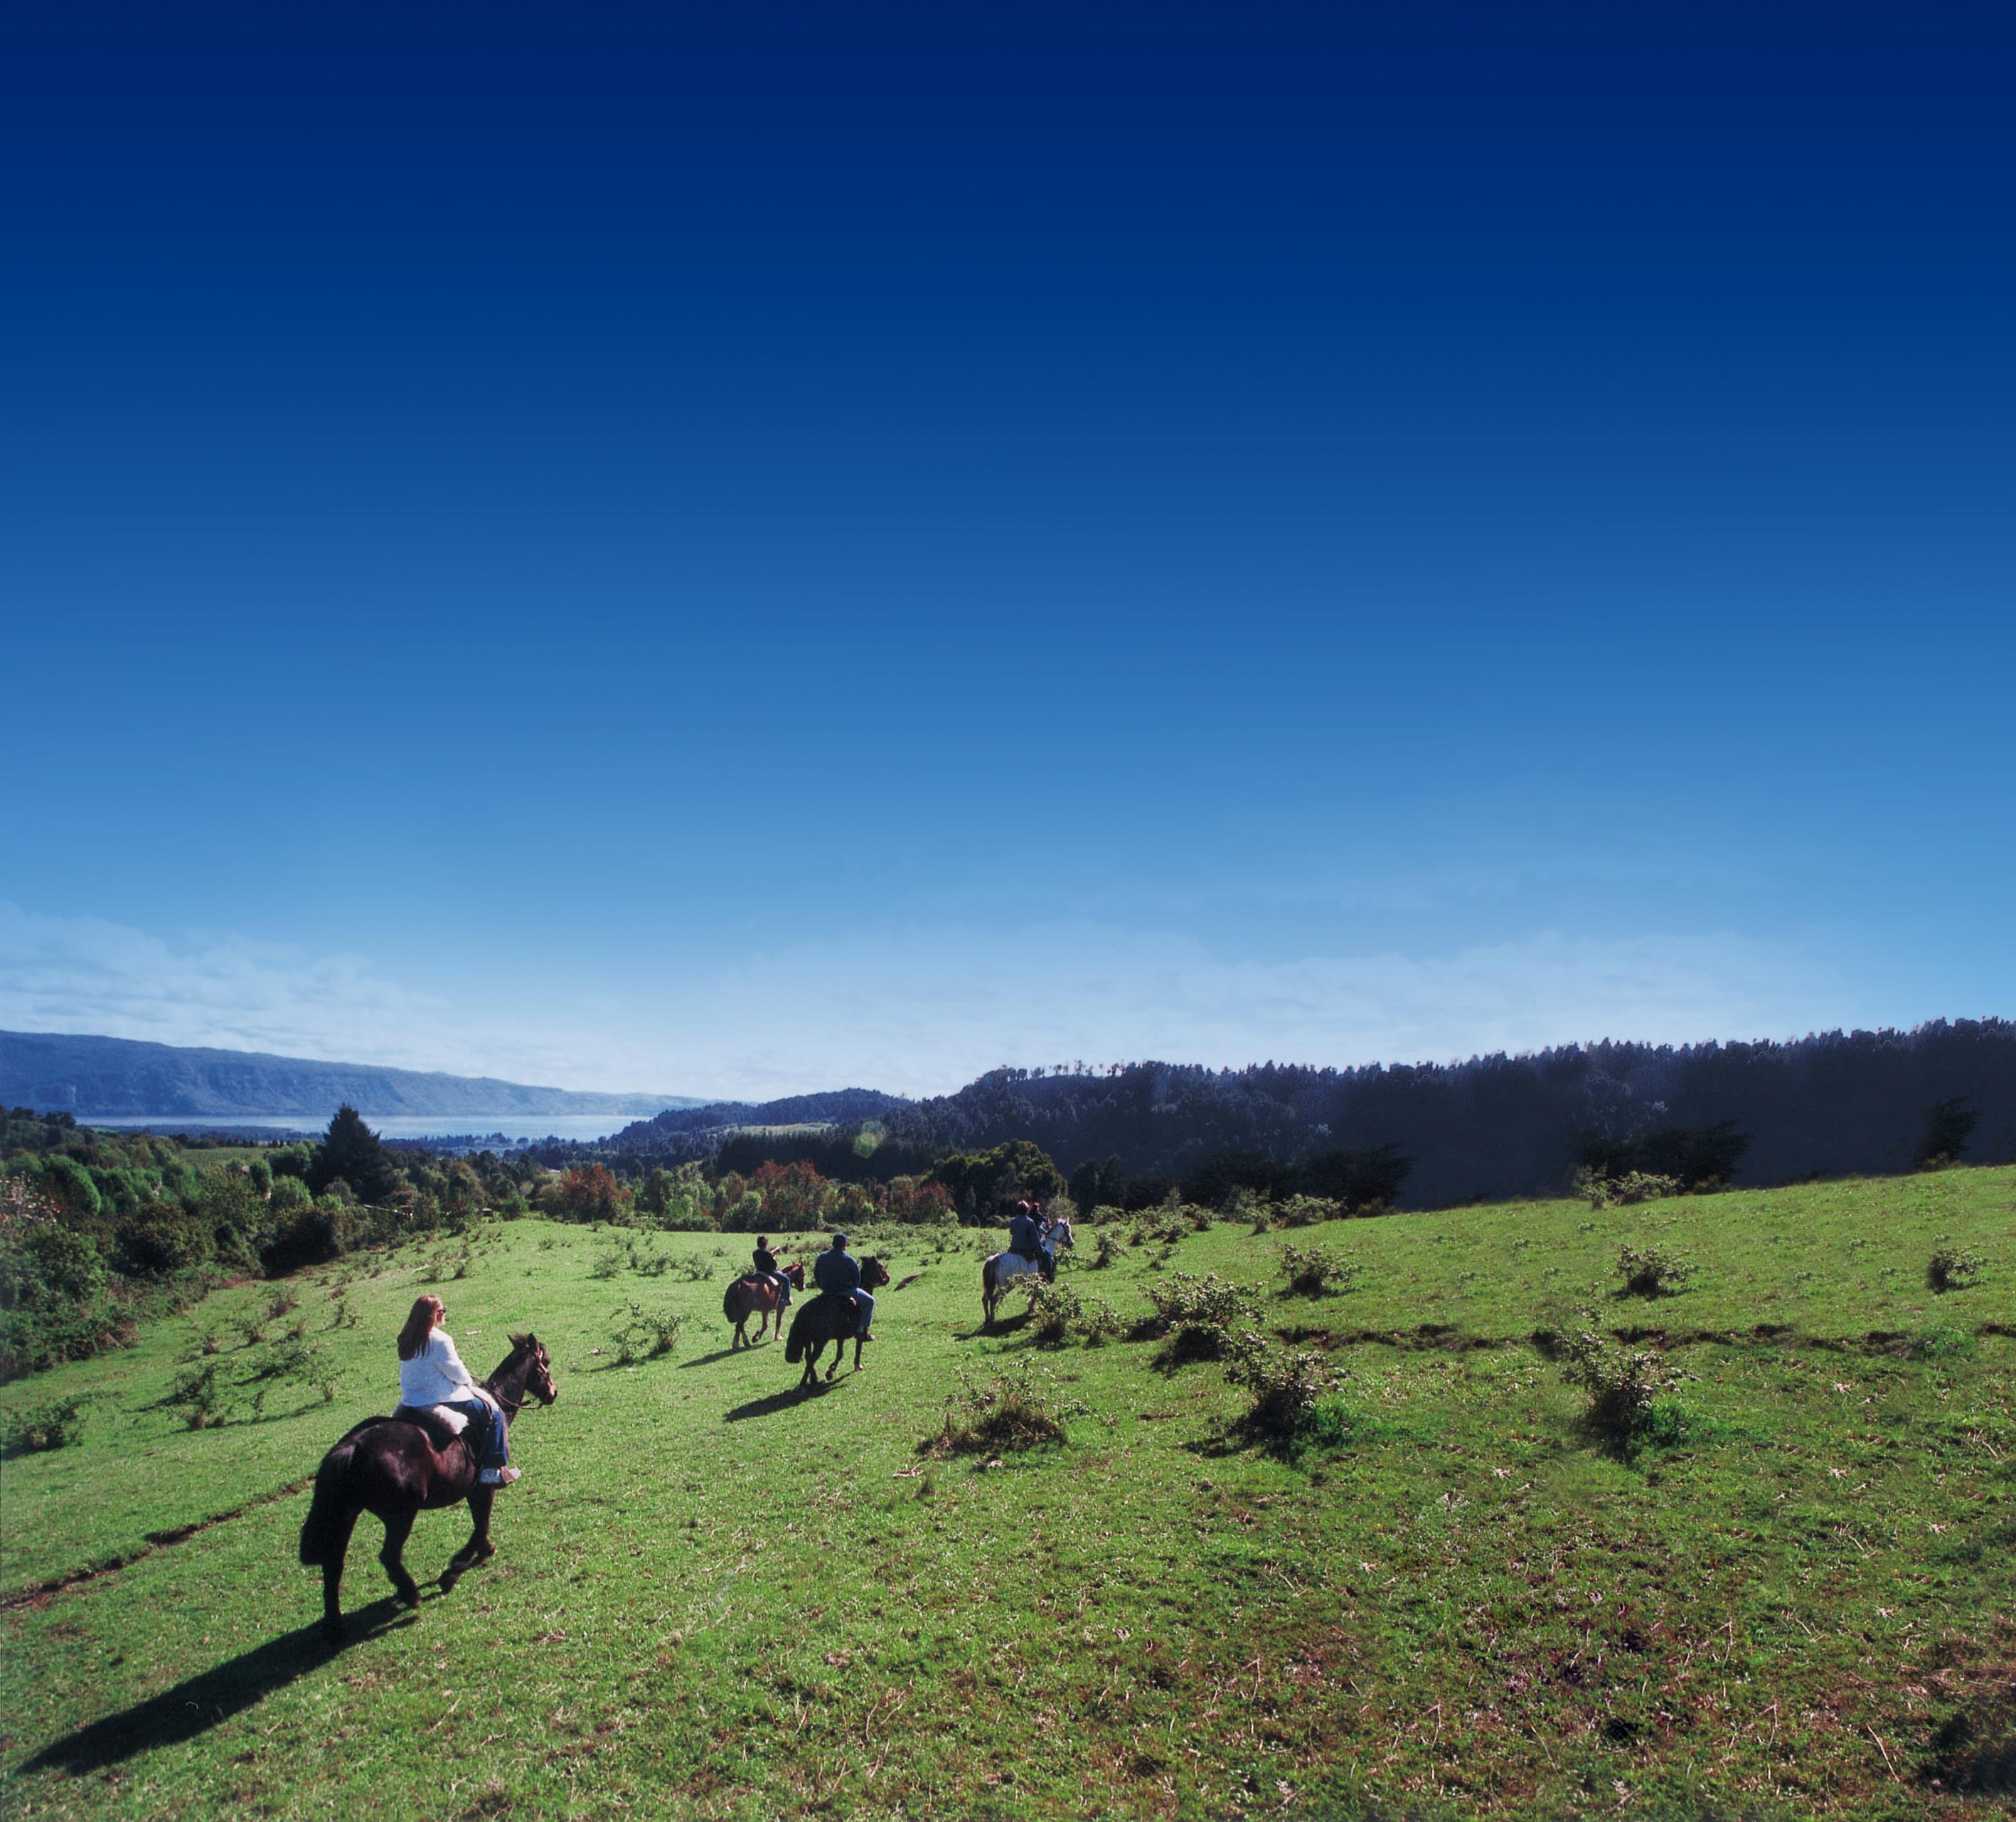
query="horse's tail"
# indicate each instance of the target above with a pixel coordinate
(728, 1301)
(794, 1348)
(326, 1531)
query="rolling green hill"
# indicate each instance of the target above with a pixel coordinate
(716, 1597)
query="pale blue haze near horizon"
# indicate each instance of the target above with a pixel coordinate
(737, 558)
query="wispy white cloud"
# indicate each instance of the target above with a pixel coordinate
(916, 1011)
(927, 1009)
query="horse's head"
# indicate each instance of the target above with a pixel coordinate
(539, 1381)
(1060, 1232)
(874, 1274)
(795, 1271)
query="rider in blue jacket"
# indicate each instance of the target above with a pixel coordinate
(836, 1272)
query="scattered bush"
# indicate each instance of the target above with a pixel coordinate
(646, 1333)
(1308, 1211)
(1654, 1271)
(1208, 1301)
(1282, 1385)
(1109, 1251)
(1953, 1267)
(1021, 1407)
(1625, 1189)
(1944, 1341)
(198, 1397)
(1316, 1271)
(1053, 1310)
(1625, 1386)
(1164, 1225)
(1058, 1315)
(1197, 1314)
(53, 1424)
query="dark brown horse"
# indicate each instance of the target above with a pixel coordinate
(830, 1319)
(392, 1469)
(755, 1295)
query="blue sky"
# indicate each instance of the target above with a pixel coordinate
(735, 557)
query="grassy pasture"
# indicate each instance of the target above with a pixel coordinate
(716, 1598)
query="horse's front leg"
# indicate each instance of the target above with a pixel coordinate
(399, 1528)
(479, 1547)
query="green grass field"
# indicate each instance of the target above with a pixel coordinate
(715, 1597)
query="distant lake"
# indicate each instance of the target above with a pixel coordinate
(517, 1128)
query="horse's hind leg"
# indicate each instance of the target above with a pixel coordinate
(399, 1528)
(332, 1582)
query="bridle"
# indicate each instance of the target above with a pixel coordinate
(512, 1408)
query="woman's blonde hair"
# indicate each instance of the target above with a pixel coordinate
(419, 1325)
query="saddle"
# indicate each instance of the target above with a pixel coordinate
(848, 1306)
(442, 1425)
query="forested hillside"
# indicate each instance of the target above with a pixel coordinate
(1838, 1104)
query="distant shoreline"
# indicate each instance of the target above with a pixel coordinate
(511, 1129)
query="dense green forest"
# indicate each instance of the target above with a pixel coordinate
(1860, 1103)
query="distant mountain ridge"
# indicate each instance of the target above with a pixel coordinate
(122, 1078)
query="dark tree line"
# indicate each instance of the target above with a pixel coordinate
(1834, 1104)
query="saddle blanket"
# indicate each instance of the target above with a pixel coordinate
(451, 1420)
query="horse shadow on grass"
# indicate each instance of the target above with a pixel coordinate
(199, 1703)
(728, 1353)
(778, 1401)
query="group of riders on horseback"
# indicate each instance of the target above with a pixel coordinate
(448, 1440)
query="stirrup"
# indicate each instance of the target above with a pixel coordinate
(498, 1477)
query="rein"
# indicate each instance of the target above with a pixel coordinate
(511, 1406)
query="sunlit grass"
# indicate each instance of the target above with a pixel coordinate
(716, 1597)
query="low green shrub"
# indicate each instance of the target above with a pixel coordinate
(1196, 1314)
(1953, 1267)
(1053, 1309)
(1282, 1385)
(1307, 1212)
(1602, 1191)
(1019, 1407)
(1625, 1386)
(1058, 1314)
(1654, 1271)
(52, 1423)
(1317, 1271)
(198, 1397)
(644, 1334)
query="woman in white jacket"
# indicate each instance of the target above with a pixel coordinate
(431, 1373)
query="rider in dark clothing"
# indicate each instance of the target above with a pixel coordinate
(1024, 1236)
(766, 1263)
(836, 1272)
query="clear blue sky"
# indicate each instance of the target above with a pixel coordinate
(844, 545)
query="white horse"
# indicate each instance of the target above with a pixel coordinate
(999, 1270)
